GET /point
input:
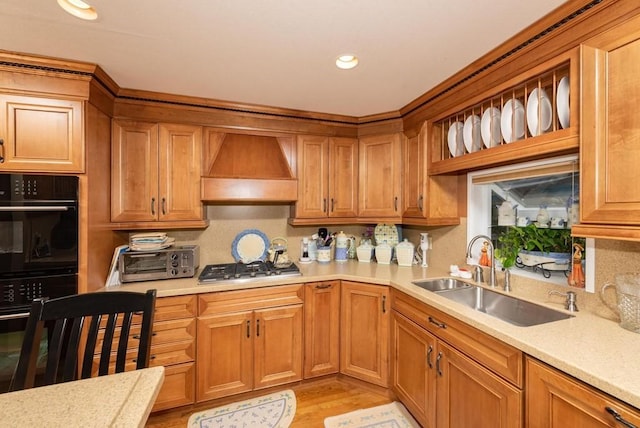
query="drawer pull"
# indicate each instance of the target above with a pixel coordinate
(619, 418)
(137, 336)
(429, 352)
(258, 328)
(323, 286)
(436, 322)
(248, 329)
(152, 357)
(438, 358)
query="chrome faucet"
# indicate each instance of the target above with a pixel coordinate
(492, 272)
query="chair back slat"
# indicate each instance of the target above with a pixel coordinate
(70, 332)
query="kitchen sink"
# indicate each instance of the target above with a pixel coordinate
(507, 308)
(442, 284)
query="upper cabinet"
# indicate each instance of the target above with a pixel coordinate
(427, 200)
(531, 116)
(155, 176)
(610, 132)
(41, 134)
(380, 178)
(327, 179)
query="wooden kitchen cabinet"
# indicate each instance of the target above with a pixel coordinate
(327, 178)
(427, 200)
(380, 177)
(556, 400)
(322, 328)
(156, 175)
(249, 339)
(364, 335)
(173, 345)
(610, 148)
(41, 134)
(449, 374)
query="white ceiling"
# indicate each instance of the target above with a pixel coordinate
(278, 53)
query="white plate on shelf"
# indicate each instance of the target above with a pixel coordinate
(386, 233)
(454, 139)
(539, 112)
(250, 245)
(512, 120)
(490, 127)
(562, 99)
(471, 134)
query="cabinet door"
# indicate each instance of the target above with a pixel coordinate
(41, 134)
(313, 177)
(413, 198)
(180, 160)
(278, 346)
(610, 147)
(364, 322)
(555, 400)
(134, 171)
(413, 375)
(343, 177)
(321, 328)
(379, 176)
(178, 388)
(471, 396)
(224, 355)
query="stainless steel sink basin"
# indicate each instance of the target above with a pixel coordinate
(442, 284)
(507, 308)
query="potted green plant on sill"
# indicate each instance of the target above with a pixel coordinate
(548, 249)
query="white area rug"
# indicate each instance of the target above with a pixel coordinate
(269, 411)
(392, 415)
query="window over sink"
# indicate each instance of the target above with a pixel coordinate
(534, 203)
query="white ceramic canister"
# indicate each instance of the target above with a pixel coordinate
(324, 254)
(383, 253)
(364, 251)
(342, 247)
(404, 253)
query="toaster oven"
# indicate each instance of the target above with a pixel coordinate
(169, 263)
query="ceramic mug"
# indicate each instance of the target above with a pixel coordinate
(324, 254)
(523, 221)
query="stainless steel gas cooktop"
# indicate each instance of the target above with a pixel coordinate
(241, 272)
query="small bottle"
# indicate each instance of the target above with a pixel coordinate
(304, 250)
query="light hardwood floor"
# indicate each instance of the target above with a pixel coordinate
(315, 401)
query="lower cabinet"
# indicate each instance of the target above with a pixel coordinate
(557, 400)
(321, 328)
(248, 339)
(445, 386)
(364, 335)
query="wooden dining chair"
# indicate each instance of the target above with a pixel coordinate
(106, 314)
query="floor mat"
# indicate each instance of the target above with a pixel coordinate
(393, 415)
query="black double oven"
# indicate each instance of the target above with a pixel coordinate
(38, 253)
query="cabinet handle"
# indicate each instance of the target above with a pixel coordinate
(2, 145)
(153, 206)
(384, 304)
(395, 203)
(619, 418)
(137, 336)
(324, 205)
(429, 352)
(438, 358)
(436, 322)
(164, 206)
(152, 357)
(258, 327)
(323, 286)
(248, 329)
(420, 201)
(332, 204)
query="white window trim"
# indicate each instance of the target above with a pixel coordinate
(479, 219)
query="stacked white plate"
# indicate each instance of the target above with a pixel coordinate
(539, 112)
(455, 139)
(512, 120)
(490, 127)
(562, 99)
(471, 134)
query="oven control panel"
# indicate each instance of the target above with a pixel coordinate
(22, 291)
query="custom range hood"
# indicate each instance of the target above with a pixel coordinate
(243, 167)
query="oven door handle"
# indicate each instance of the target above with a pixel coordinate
(41, 208)
(14, 316)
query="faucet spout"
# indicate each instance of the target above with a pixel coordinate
(492, 272)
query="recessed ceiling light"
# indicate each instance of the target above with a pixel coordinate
(79, 9)
(346, 62)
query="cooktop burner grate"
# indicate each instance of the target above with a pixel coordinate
(240, 272)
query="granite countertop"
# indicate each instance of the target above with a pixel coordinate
(589, 347)
(118, 400)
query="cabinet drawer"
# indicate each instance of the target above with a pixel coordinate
(161, 355)
(250, 299)
(178, 388)
(494, 354)
(163, 332)
(170, 308)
